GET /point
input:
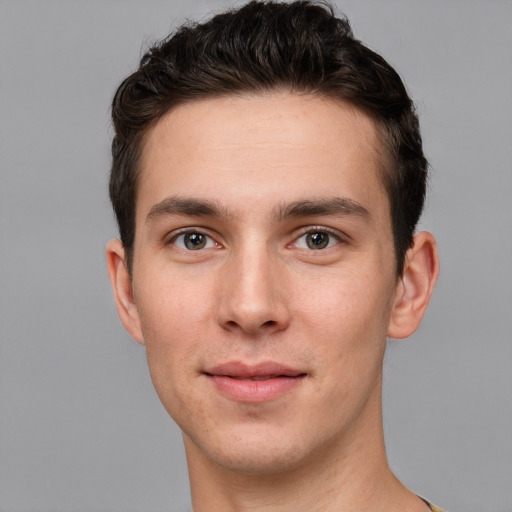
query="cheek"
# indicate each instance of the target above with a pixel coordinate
(171, 307)
(348, 319)
(349, 328)
(350, 305)
(173, 326)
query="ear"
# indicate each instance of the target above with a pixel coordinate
(121, 283)
(415, 286)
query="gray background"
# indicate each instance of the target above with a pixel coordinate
(80, 426)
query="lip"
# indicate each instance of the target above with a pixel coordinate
(254, 383)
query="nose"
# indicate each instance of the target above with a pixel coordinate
(253, 295)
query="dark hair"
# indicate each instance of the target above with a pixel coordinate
(264, 46)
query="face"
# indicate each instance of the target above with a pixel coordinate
(263, 278)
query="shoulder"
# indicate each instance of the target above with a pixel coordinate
(433, 508)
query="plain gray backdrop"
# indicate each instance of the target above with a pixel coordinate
(81, 429)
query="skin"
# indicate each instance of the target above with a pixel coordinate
(239, 172)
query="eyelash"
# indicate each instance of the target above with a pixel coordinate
(192, 231)
(308, 230)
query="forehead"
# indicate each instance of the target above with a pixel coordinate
(261, 149)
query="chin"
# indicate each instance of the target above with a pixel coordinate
(258, 461)
(251, 451)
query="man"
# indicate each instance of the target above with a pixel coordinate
(267, 179)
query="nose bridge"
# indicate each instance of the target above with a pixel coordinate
(252, 294)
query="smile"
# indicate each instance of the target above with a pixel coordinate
(260, 383)
(259, 377)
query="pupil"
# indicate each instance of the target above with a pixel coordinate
(195, 241)
(317, 240)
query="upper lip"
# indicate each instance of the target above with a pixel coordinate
(245, 371)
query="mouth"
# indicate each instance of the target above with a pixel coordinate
(254, 383)
(264, 377)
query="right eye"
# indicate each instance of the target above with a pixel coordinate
(193, 241)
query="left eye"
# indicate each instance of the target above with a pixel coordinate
(193, 241)
(316, 240)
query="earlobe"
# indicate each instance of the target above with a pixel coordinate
(415, 287)
(121, 283)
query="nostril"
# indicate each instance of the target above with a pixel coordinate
(252, 317)
(252, 327)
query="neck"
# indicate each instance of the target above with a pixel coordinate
(312, 488)
(351, 474)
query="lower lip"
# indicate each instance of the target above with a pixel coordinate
(254, 390)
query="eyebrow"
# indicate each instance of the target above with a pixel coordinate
(332, 206)
(186, 206)
(193, 207)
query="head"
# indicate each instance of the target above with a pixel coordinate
(299, 47)
(267, 179)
